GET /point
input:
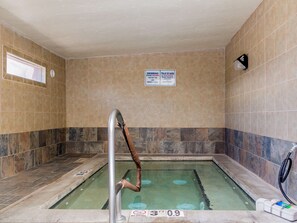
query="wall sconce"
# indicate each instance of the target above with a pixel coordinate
(52, 73)
(241, 63)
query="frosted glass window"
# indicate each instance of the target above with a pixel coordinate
(21, 67)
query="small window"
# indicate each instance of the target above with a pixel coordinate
(16, 67)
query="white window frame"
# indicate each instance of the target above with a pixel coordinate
(19, 67)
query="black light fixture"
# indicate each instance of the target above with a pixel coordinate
(241, 63)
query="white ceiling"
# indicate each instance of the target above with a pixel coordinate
(87, 28)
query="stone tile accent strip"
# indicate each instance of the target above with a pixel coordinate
(149, 140)
(23, 151)
(262, 155)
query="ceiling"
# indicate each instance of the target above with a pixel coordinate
(88, 28)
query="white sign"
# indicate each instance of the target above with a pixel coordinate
(152, 77)
(160, 78)
(168, 78)
(157, 213)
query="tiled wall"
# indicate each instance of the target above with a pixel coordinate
(261, 103)
(31, 117)
(23, 151)
(26, 107)
(156, 141)
(263, 99)
(96, 86)
(262, 155)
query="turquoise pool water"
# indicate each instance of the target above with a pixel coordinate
(170, 188)
(184, 185)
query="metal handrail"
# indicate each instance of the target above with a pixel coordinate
(115, 189)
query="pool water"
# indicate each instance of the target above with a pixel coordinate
(171, 188)
(184, 185)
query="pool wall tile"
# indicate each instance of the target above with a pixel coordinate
(269, 172)
(202, 134)
(159, 134)
(90, 134)
(34, 140)
(102, 134)
(4, 145)
(61, 149)
(220, 147)
(38, 157)
(25, 141)
(42, 138)
(188, 134)
(95, 147)
(215, 134)
(294, 158)
(262, 155)
(7, 167)
(50, 137)
(26, 150)
(190, 147)
(13, 143)
(153, 147)
(292, 186)
(159, 141)
(199, 148)
(61, 135)
(146, 134)
(19, 162)
(29, 159)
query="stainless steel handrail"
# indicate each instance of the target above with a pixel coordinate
(115, 189)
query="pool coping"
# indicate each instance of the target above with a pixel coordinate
(34, 207)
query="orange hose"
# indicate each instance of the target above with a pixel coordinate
(135, 157)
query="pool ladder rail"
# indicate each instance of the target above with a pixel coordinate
(115, 208)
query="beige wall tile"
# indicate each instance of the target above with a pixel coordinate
(247, 122)
(271, 82)
(292, 125)
(268, 4)
(281, 97)
(7, 96)
(7, 36)
(270, 23)
(281, 40)
(8, 122)
(292, 8)
(29, 121)
(280, 9)
(97, 85)
(292, 95)
(281, 123)
(261, 123)
(292, 32)
(291, 58)
(23, 106)
(271, 124)
(260, 28)
(270, 47)
(19, 118)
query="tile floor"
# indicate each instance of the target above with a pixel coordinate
(17, 187)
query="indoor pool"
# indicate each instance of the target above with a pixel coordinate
(184, 185)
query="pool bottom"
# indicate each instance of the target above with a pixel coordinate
(221, 191)
(171, 188)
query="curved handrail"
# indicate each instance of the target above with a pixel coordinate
(115, 188)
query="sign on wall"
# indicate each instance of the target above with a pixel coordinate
(160, 78)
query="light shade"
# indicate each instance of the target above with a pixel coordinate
(241, 63)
